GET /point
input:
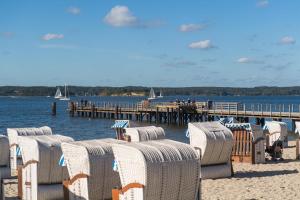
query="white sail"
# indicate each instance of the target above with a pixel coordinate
(58, 94)
(160, 94)
(152, 94)
(65, 98)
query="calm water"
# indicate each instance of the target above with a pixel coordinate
(36, 111)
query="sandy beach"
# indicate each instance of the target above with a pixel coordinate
(273, 180)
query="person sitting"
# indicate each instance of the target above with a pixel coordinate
(275, 151)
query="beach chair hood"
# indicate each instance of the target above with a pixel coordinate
(13, 133)
(94, 159)
(138, 134)
(167, 169)
(214, 140)
(278, 131)
(46, 151)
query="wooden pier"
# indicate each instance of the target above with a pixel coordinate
(182, 113)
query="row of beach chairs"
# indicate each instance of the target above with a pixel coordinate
(139, 164)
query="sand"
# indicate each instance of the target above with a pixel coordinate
(273, 180)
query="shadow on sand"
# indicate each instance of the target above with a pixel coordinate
(254, 174)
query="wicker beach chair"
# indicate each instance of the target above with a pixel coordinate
(126, 130)
(42, 177)
(139, 134)
(277, 131)
(14, 133)
(89, 165)
(157, 170)
(4, 160)
(297, 128)
(249, 143)
(215, 142)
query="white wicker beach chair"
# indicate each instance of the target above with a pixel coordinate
(249, 143)
(14, 133)
(277, 131)
(139, 134)
(157, 170)
(4, 160)
(89, 165)
(215, 142)
(42, 177)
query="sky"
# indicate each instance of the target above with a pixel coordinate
(167, 43)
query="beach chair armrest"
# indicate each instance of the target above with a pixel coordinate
(258, 140)
(75, 178)
(117, 192)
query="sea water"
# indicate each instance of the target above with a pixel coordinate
(36, 111)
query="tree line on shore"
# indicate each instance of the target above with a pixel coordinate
(143, 91)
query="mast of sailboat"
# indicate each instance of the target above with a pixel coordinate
(65, 90)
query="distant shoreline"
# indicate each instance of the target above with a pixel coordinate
(144, 91)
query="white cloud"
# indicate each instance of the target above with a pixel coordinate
(73, 10)
(52, 36)
(262, 3)
(204, 44)
(191, 27)
(246, 60)
(120, 16)
(287, 40)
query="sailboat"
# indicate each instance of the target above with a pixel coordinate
(65, 98)
(160, 94)
(58, 94)
(152, 94)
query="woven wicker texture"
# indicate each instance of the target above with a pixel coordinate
(4, 174)
(46, 150)
(216, 171)
(214, 140)
(50, 192)
(167, 169)
(14, 133)
(4, 151)
(138, 134)
(278, 131)
(93, 158)
(257, 132)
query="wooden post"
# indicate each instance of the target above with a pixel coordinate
(93, 110)
(168, 115)
(178, 117)
(156, 116)
(297, 149)
(20, 192)
(257, 121)
(293, 125)
(53, 108)
(117, 112)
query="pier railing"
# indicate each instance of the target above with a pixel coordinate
(215, 108)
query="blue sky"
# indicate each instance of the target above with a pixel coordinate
(150, 43)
